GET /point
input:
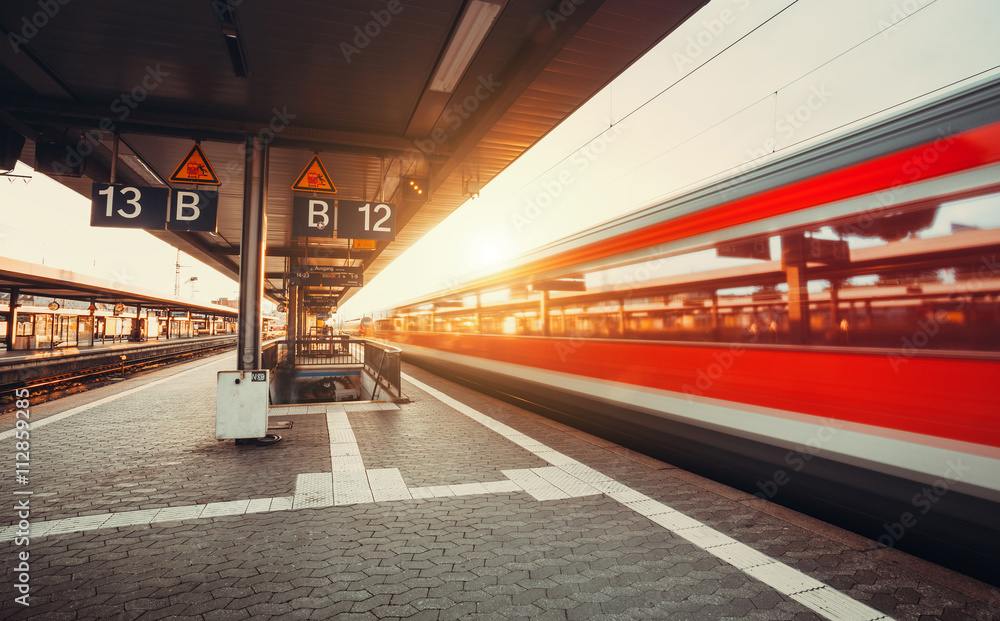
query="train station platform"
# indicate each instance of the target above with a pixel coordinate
(451, 506)
(32, 355)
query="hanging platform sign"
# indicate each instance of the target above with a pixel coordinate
(313, 217)
(366, 220)
(195, 168)
(128, 206)
(141, 207)
(194, 210)
(314, 178)
(326, 276)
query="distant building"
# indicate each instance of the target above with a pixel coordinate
(227, 302)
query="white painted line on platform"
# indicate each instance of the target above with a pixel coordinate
(468, 489)
(741, 556)
(823, 600)
(171, 514)
(421, 493)
(349, 483)
(314, 489)
(536, 486)
(387, 484)
(834, 605)
(572, 486)
(219, 509)
(351, 487)
(259, 505)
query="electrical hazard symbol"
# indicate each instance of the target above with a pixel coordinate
(195, 169)
(314, 178)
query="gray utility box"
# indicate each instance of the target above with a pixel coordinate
(241, 405)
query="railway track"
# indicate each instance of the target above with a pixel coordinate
(57, 385)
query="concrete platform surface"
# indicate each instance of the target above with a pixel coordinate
(452, 506)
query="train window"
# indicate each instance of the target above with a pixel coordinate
(919, 276)
(25, 325)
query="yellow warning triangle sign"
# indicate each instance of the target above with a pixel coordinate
(195, 169)
(314, 178)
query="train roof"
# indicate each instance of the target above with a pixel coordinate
(602, 247)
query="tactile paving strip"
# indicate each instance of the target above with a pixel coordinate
(351, 487)
(314, 489)
(387, 484)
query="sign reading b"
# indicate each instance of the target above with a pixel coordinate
(313, 217)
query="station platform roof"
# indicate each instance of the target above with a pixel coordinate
(42, 280)
(367, 89)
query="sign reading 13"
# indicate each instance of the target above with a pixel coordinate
(366, 220)
(128, 206)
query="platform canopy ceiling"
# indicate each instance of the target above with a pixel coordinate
(442, 90)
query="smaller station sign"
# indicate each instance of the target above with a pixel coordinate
(195, 168)
(314, 178)
(327, 276)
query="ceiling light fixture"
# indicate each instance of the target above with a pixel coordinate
(475, 23)
(226, 12)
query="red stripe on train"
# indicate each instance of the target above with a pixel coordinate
(947, 155)
(944, 398)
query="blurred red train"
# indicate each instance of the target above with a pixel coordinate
(822, 331)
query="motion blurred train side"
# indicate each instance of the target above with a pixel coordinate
(822, 331)
(361, 326)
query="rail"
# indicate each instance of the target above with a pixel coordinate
(384, 361)
(54, 373)
(380, 362)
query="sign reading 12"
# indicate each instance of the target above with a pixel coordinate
(366, 220)
(380, 208)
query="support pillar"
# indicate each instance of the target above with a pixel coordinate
(252, 254)
(793, 263)
(544, 307)
(93, 320)
(12, 318)
(479, 313)
(136, 333)
(292, 321)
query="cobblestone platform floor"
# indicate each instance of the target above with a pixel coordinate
(452, 506)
